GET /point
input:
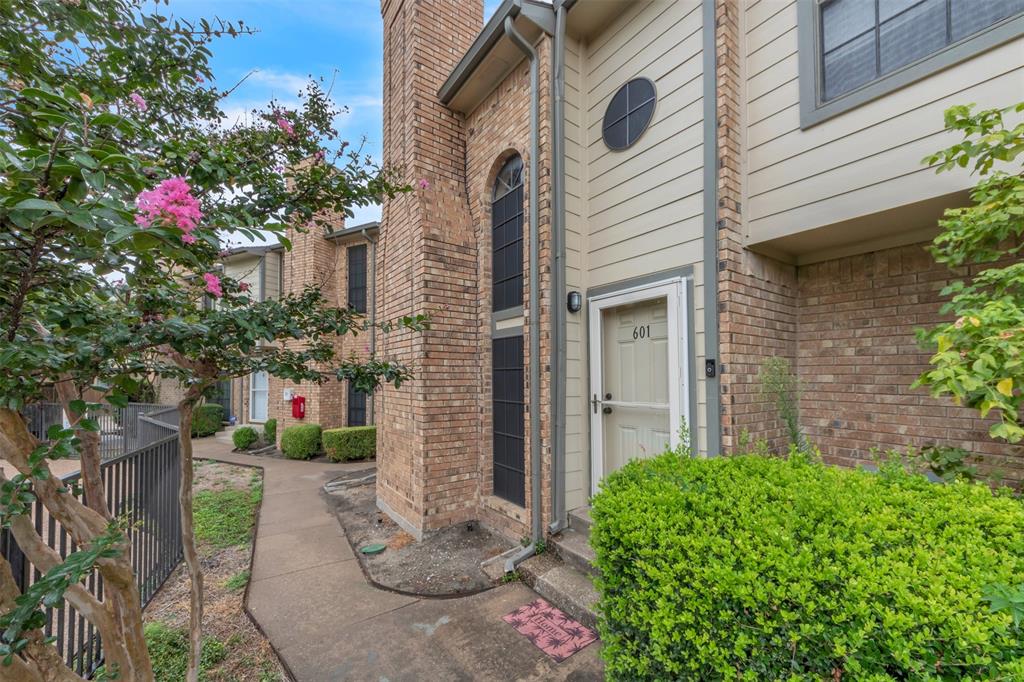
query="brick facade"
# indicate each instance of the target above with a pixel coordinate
(497, 129)
(428, 439)
(847, 325)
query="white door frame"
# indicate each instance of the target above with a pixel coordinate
(252, 397)
(674, 291)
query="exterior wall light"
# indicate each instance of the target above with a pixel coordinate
(574, 301)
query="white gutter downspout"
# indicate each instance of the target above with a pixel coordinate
(372, 257)
(537, 521)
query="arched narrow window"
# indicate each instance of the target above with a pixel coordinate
(507, 235)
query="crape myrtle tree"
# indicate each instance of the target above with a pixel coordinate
(978, 358)
(118, 176)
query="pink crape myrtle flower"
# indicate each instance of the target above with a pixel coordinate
(213, 285)
(285, 125)
(319, 156)
(244, 286)
(137, 100)
(423, 183)
(170, 202)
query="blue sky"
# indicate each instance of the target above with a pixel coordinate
(298, 38)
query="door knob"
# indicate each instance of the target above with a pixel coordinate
(607, 396)
(606, 410)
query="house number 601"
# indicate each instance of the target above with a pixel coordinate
(642, 332)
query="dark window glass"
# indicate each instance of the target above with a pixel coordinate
(507, 235)
(357, 278)
(509, 413)
(629, 113)
(862, 40)
(356, 406)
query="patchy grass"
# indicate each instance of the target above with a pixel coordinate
(225, 518)
(238, 581)
(226, 498)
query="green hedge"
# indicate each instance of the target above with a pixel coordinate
(301, 441)
(753, 568)
(206, 419)
(244, 436)
(352, 442)
(270, 432)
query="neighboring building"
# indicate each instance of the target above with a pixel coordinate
(340, 264)
(672, 216)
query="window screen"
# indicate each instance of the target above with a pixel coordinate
(507, 235)
(508, 407)
(862, 40)
(357, 278)
(629, 113)
(356, 407)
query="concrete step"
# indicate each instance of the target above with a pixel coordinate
(579, 519)
(574, 549)
(562, 586)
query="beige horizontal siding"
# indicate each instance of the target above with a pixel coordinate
(860, 162)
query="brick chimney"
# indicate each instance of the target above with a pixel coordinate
(429, 429)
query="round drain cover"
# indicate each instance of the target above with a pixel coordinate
(373, 549)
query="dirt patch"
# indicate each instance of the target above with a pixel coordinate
(445, 563)
(248, 657)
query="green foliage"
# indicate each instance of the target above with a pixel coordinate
(238, 581)
(758, 568)
(225, 518)
(243, 437)
(978, 357)
(270, 432)
(207, 419)
(168, 649)
(780, 386)
(351, 442)
(950, 463)
(301, 441)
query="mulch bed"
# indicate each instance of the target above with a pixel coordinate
(446, 563)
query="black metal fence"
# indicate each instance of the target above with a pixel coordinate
(142, 492)
(119, 426)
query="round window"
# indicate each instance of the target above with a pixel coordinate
(629, 113)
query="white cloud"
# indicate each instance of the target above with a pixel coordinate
(275, 80)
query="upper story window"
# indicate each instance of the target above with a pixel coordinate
(853, 51)
(629, 113)
(357, 278)
(507, 235)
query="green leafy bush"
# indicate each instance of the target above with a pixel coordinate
(243, 437)
(270, 432)
(301, 441)
(752, 568)
(352, 442)
(206, 419)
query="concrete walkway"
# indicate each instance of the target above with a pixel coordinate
(310, 597)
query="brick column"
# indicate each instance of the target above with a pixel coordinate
(757, 295)
(428, 437)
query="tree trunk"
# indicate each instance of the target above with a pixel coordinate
(188, 538)
(118, 618)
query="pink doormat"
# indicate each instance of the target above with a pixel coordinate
(550, 629)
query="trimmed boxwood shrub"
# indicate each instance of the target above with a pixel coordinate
(244, 436)
(351, 442)
(753, 568)
(270, 432)
(301, 441)
(206, 419)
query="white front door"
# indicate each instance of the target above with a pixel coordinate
(637, 374)
(259, 386)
